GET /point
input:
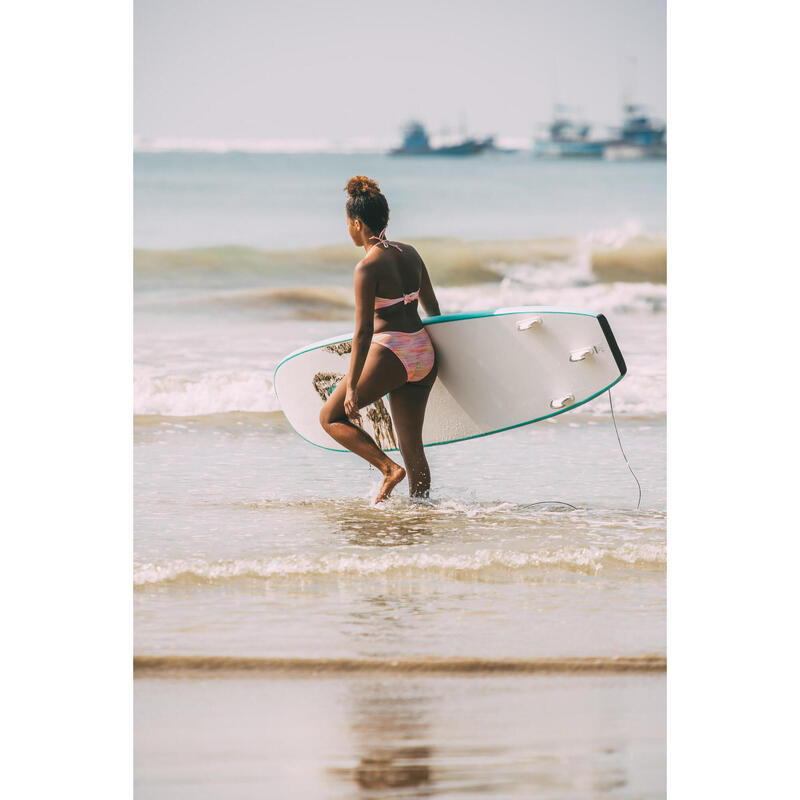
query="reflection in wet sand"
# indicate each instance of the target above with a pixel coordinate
(407, 735)
(393, 768)
(390, 731)
(559, 737)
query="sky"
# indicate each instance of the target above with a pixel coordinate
(259, 69)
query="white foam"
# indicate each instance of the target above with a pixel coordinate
(209, 393)
(589, 560)
(550, 286)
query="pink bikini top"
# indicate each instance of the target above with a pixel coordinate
(383, 302)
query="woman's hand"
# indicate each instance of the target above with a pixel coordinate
(351, 403)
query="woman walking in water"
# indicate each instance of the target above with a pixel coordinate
(392, 352)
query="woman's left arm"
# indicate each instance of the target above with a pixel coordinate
(364, 286)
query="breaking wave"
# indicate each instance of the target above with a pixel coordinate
(472, 566)
(324, 303)
(214, 392)
(618, 255)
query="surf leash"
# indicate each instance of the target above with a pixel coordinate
(622, 450)
(551, 503)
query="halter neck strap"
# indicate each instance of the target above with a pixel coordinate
(381, 237)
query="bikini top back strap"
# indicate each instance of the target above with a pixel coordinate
(383, 302)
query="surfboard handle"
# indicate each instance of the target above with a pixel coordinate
(560, 402)
(579, 355)
(527, 324)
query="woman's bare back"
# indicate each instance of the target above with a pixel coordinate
(399, 273)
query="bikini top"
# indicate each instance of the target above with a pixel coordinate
(383, 302)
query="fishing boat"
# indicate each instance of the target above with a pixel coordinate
(567, 139)
(417, 143)
(639, 137)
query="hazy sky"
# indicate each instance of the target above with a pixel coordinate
(263, 69)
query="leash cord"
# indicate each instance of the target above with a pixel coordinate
(622, 450)
(551, 503)
(616, 430)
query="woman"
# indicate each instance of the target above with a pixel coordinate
(391, 353)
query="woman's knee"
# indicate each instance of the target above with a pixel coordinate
(327, 417)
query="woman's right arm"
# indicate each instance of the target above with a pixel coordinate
(426, 294)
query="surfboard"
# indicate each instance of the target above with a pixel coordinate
(498, 370)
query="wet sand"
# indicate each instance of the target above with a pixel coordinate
(548, 736)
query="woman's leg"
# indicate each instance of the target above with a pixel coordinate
(383, 372)
(408, 404)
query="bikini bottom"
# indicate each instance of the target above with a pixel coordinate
(415, 350)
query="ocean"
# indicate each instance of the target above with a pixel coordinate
(300, 637)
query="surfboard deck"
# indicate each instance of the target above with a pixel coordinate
(498, 370)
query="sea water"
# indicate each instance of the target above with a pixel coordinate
(249, 542)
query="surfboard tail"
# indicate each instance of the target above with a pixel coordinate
(612, 344)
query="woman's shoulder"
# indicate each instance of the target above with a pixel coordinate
(385, 255)
(379, 258)
(407, 248)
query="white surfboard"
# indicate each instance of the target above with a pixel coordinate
(497, 370)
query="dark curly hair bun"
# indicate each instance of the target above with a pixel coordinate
(366, 202)
(362, 185)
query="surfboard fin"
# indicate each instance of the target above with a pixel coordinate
(561, 402)
(583, 352)
(527, 324)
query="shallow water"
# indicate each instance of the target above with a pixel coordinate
(252, 542)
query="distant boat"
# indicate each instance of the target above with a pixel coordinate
(416, 143)
(567, 139)
(491, 147)
(639, 137)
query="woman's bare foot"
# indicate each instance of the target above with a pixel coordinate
(395, 474)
